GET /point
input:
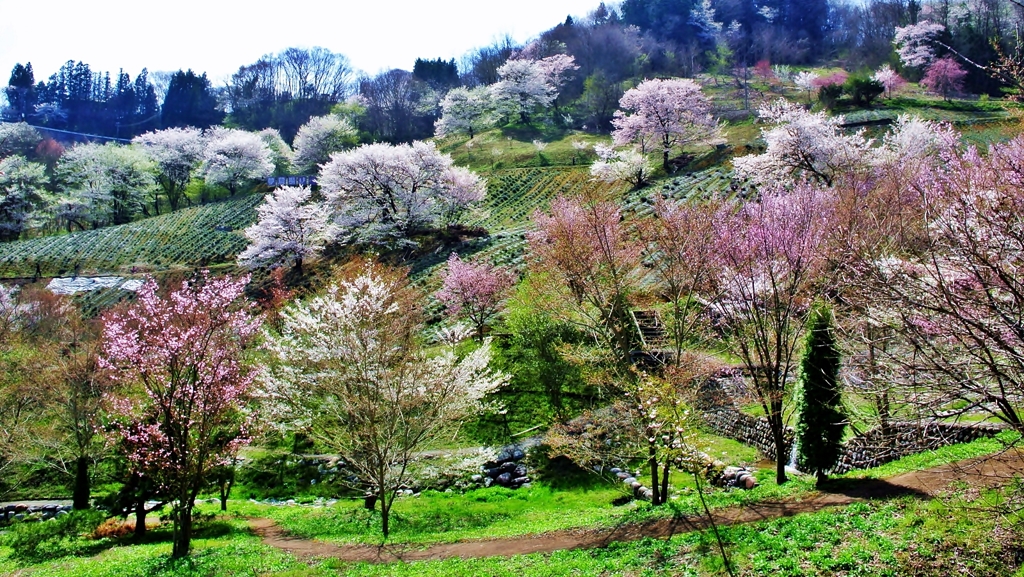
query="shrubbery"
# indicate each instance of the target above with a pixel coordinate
(61, 536)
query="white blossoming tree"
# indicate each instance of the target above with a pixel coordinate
(233, 158)
(914, 43)
(321, 136)
(352, 370)
(380, 193)
(665, 115)
(178, 152)
(290, 226)
(526, 85)
(464, 110)
(803, 146)
(621, 165)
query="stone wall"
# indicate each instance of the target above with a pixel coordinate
(874, 448)
(753, 431)
(723, 416)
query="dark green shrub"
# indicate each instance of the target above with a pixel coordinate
(863, 90)
(829, 95)
(59, 537)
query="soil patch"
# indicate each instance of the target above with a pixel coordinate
(982, 472)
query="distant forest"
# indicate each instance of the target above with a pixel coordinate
(614, 46)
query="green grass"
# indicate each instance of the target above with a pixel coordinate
(229, 550)
(188, 237)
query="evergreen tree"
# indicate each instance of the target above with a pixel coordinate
(21, 92)
(190, 101)
(821, 426)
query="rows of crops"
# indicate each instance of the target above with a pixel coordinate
(513, 195)
(194, 236)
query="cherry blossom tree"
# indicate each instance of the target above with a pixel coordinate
(954, 297)
(890, 80)
(23, 196)
(806, 81)
(803, 145)
(945, 76)
(473, 290)
(290, 226)
(464, 110)
(106, 184)
(353, 371)
(914, 43)
(774, 253)
(663, 115)
(178, 152)
(233, 158)
(320, 137)
(181, 389)
(526, 84)
(621, 165)
(586, 247)
(763, 70)
(381, 193)
(680, 242)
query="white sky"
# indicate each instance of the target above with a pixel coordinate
(218, 36)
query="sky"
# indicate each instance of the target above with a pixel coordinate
(218, 36)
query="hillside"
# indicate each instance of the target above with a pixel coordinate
(201, 235)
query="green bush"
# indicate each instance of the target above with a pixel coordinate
(58, 537)
(829, 95)
(863, 90)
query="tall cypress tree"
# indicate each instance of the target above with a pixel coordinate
(822, 423)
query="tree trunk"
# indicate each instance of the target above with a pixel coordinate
(385, 510)
(653, 461)
(781, 457)
(664, 481)
(182, 532)
(140, 519)
(80, 496)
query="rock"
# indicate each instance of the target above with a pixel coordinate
(488, 481)
(19, 516)
(504, 479)
(615, 470)
(750, 482)
(635, 485)
(629, 480)
(525, 485)
(521, 480)
(290, 502)
(476, 478)
(519, 471)
(20, 508)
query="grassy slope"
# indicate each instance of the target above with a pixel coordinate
(184, 238)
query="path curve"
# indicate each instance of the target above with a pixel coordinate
(981, 472)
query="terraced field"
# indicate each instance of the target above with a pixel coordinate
(195, 236)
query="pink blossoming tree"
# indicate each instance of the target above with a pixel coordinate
(587, 249)
(774, 256)
(473, 290)
(181, 389)
(665, 115)
(945, 76)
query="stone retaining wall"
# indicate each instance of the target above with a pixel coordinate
(753, 431)
(874, 448)
(862, 452)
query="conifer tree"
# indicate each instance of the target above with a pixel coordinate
(822, 422)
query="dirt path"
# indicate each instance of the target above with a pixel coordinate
(982, 472)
